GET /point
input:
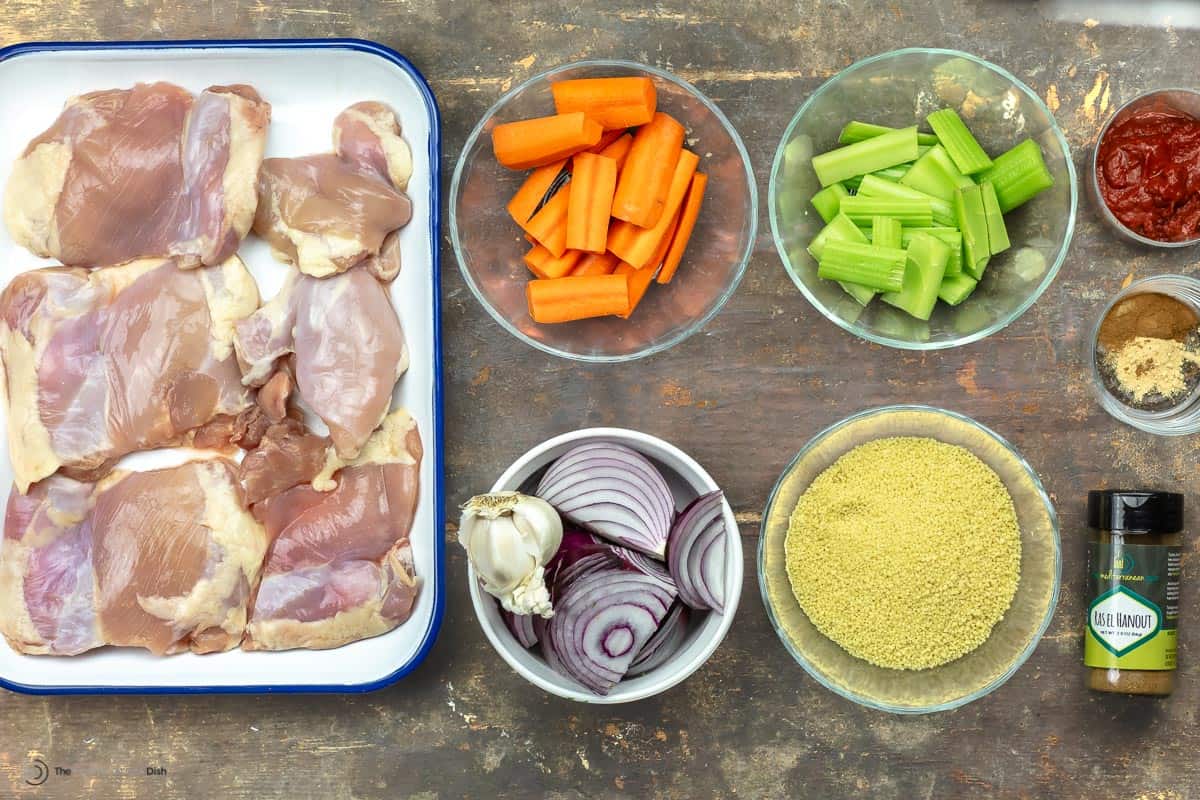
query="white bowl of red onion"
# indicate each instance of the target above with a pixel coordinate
(685, 636)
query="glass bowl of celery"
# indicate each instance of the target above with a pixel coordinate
(923, 198)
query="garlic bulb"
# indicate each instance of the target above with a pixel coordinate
(509, 538)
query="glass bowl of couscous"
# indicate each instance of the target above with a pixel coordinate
(909, 559)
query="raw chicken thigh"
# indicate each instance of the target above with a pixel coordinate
(329, 212)
(134, 173)
(348, 348)
(100, 364)
(340, 566)
(166, 560)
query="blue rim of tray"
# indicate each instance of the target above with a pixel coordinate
(435, 130)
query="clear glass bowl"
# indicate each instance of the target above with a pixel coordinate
(1014, 637)
(900, 88)
(1178, 420)
(489, 245)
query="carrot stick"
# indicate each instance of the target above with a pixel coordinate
(544, 140)
(637, 245)
(613, 102)
(687, 222)
(536, 256)
(533, 191)
(559, 267)
(618, 150)
(607, 138)
(590, 202)
(646, 177)
(572, 298)
(595, 264)
(639, 282)
(549, 225)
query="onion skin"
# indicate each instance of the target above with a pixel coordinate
(696, 553)
(614, 491)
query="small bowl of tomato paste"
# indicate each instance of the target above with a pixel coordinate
(1146, 169)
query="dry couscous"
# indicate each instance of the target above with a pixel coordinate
(906, 551)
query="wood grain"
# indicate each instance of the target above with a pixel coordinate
(741, 397)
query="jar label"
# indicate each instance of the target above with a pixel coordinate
(1133, 611)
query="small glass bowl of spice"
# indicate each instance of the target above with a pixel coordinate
(1146, 355)
(1146, 169)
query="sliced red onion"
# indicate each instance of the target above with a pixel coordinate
(577, 555)
(613, 491)
(602, 622)
(696, 553)
(665, 642)
(643, 564)
(521, 626)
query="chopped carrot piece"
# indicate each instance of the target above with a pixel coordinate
(535, 142)
(607, 138)
(638, 245)
(646, 177)
(549, 225)
(590, 202)
(572, 298)
(559, 267)
(639, 282)
(533, 191)
(595, 264)
(536, 256)
(618, 150)
(612, 102)
(687, 222)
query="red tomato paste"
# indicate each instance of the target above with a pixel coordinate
(1149, 173)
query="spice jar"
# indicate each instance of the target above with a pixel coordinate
(1133, 591)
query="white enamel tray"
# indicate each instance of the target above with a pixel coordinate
(307, 83)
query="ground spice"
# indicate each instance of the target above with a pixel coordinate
(905, 551)
(1148, 351)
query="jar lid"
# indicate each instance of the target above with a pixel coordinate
(1135, 511)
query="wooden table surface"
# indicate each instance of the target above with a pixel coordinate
(742, 397)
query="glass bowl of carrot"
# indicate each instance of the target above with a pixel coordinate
(603, 211)
(913, 138)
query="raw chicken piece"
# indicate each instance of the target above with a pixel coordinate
(100, 364)
(326, 213)
(340, 566)
(165, 560)
(348, 345)
(287, 456)
(141, 172)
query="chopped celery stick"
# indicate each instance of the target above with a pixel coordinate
(951, 236)
(911, 213)
(997, 233)
(792, 206)
(885, 232)
(953, 135)
(857, 131)
(827, 200)
(881, 152)
(796, 155)
(879, 268)
(871, 186)
(935, 174)
(924, 270)
(893, 174)
(861, 294)
(972, 221)
(840, 227)
(956, 288)
(1018, 175)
